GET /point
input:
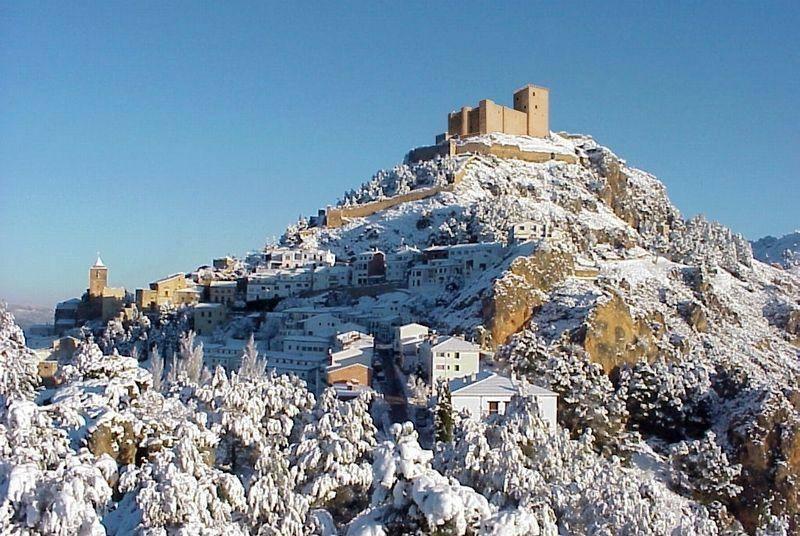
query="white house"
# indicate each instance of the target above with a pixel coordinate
(289, 259)
(398, 263)
(487, 393)
(447, 358)
(328, 277)
(227, 355)
(271, 284)
(307, 367)
(306, 345)
(406, 343)
(435, 274)
(369, 268)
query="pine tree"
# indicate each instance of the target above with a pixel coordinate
(443, 417)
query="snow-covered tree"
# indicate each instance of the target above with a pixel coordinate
(410, 497)
(157, 368)
(701, 469)
(443, 414)
(18, 364)
(252, 365)
(668, 399)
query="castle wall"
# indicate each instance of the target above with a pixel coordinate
(491, 117)
(335, 216)
(512, 151)
(514, 122)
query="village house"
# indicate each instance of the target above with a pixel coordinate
(280, 258)
(445, 358)
(435, 274)
(222, 292)
(305, 344)
(328, 325)
(399, 263)
(351, 367)
(227, 355)
(307, 367)
(187, 296)
(528, 230)
(406, 343)
(208, 316)
(369, 268)
(331, 277)
(282, 283)
(487, 393)
(161, 292)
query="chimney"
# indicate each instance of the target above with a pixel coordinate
(473, 376)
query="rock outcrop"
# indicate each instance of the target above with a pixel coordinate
(522, 288)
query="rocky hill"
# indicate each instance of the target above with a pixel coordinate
(675, 354)
(695, 340)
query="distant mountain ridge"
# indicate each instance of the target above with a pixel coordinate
(784, 250)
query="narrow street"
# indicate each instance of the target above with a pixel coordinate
(393, 390)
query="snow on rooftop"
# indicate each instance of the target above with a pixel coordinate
(455, 344)
(487, 383)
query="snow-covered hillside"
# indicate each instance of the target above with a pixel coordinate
(784, 251)
(675, 355)
(695, 340)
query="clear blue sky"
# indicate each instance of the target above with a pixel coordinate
(165, 133)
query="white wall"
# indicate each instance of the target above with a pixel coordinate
(478, 406)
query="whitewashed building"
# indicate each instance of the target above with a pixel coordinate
(446, 358)
(280, 258)
(270, 284)
(369, 268)
(399, 263)
(435, 274)
(330, 277)
(304, 344)
(227, 355)
(488, 393)
(308, 367)
(406, 343)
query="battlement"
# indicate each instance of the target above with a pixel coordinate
(529, 117)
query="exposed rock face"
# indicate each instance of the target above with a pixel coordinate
(523, 288)
(766, 441)
(611, 336)
(114, 436)
(649, 212)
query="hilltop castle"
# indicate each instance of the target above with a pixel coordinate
(529, 117)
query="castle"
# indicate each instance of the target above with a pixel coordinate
(529, 117)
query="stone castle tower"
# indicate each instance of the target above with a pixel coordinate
(530, 116)
(98, 279)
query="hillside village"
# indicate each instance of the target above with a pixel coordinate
(283, 293)
(530, 327)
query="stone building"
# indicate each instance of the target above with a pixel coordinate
(161, 292)
(530, 116)
(207, 316)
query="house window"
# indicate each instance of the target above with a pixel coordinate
(493, 407)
